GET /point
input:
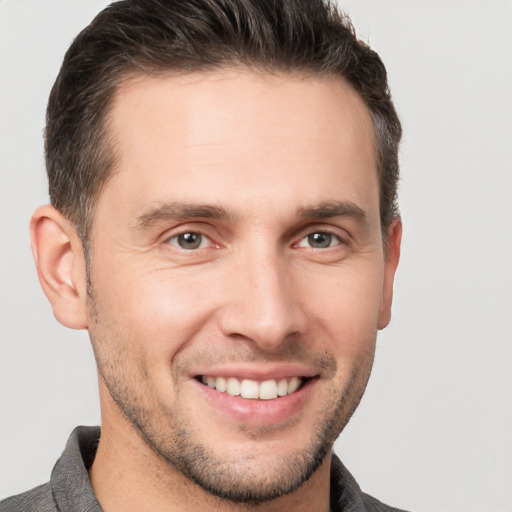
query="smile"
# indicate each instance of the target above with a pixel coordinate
(247, 388)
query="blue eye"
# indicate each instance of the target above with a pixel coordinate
(189, 241)
(319, 240)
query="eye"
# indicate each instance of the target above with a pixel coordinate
(190, 241)
(319, 240)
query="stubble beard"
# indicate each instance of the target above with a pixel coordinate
(170, 435)
(243, 480)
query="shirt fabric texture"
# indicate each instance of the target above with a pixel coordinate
(70, 490)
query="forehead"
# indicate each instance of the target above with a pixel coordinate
(232, 133)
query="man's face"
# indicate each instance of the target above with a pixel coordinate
(237, 248)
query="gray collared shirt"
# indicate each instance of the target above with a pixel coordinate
(70, 490)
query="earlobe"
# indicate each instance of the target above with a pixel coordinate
(392, 257)
(60, 263)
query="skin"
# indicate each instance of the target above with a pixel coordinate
(275, 159)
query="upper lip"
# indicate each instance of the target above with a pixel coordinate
(256, 371)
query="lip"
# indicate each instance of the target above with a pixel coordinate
(253, 412)
(259, 372)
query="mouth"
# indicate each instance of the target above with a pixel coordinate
(270, 389)
(255, 395)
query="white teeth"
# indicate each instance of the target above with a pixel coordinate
(293, 385)
(282, 387)
(248, 388)
(221, 384)
(233, 386)
(268, 390)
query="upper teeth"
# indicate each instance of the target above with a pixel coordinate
(247, 388)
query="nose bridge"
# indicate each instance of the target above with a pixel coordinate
(263, 307)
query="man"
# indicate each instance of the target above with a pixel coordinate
(224, 224)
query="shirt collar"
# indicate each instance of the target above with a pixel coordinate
(72, 489)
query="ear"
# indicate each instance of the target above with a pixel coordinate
(60, 263)
(392, 257)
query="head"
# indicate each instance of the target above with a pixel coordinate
(230, 168)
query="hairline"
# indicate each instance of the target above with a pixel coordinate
(131, 77)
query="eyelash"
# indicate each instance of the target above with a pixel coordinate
(323, 233)
(175, 240)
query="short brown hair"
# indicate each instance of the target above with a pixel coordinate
(154, 36)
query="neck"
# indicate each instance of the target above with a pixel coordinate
(128, 475)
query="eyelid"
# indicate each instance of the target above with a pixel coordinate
(340, 241)
(198, 228)
(341, 234)
(176, 236)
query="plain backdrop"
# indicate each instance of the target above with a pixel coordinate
(434, 431)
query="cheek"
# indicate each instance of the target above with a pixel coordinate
(346, 306)
(158, 311)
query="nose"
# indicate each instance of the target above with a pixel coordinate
(262, 303)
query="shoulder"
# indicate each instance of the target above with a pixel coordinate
(39, 499)
(372, 504)
(347, 495)
(69, 487)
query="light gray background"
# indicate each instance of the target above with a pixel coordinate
(434, 432)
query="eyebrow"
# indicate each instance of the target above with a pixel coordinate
(329, 209)
(180, 211)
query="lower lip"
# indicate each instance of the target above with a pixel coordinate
(254, 412)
